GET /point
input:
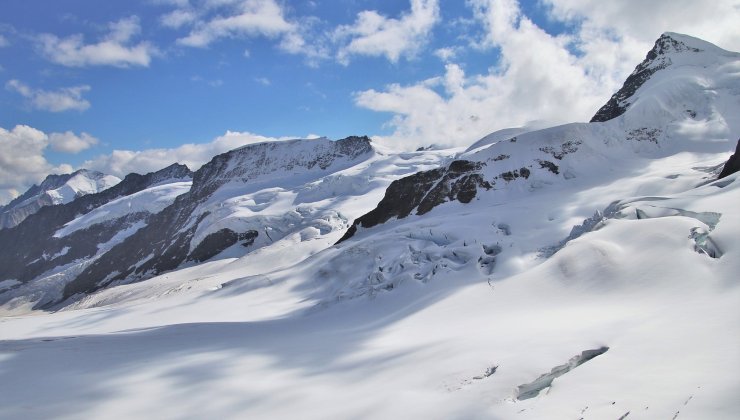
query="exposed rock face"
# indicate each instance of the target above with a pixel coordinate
(216, 243)
(656, 60)
(165, 243)
(424, 191)
(733, 163)
(31, 248)
(54, 190)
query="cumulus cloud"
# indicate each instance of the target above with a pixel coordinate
(22, 160)
(114, 49)
(212, 20)
(557, 78)
(122, 162)
(64, 99)
(69, 142)
(249, 18)
(178, 18)
(375, 35)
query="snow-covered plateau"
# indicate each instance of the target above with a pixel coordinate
(584, 271)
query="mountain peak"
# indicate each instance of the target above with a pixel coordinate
(54, 189)
(670, 49)
(671, 42)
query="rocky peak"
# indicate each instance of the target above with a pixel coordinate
(671, 42)
(283, 158)
(172, 172)
(658, 58)
(51, 182)
(53, 190)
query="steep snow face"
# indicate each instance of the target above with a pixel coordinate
(56, 189)
(151, 200)
(674, 52)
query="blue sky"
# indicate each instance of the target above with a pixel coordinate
(89, 78)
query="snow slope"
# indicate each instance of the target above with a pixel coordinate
(590, 272)
(151, 200)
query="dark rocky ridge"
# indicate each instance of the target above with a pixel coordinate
(733, 163)
(217, 242)
(423, 191)
(30, 248)
(656, 60)
(164, 244)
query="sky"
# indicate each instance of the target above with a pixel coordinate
(133, 86)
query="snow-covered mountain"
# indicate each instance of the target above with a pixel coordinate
(258, 196)
(55, 189)
(582, 271)
(52, 246)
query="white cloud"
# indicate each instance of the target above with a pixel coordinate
(251, 18)
(64, 99)
(264, 81)
(446, 54)
(375, 35)
(115, 49)
(178, 18)
(540, 76)
(69, 142)
(123, 162)
(214, 20)
(22, 160)
(644, 21)
(4, 41)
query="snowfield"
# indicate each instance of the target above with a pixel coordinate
(597, 278)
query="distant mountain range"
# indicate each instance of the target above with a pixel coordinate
(55, 189)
